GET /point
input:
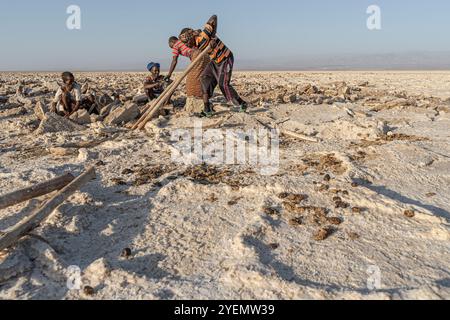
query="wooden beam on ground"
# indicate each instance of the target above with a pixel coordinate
(290, 133)
(12, 236)
(35, 191)
(88, 144)
(265, 125)
(298, 136)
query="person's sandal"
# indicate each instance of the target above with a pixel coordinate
(206, 114)
(243, 108)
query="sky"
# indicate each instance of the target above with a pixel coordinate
(280, 34)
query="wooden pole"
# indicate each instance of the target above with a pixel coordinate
(167, 93)
(172, 89)
(38, 190)
(13, 235)
(150, 106)
(288, 133)
(298, 136)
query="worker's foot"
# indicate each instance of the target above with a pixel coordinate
(206, 113)
(243, 108)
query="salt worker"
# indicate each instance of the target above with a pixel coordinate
(219, 70)
(154, 83)
(178, 48)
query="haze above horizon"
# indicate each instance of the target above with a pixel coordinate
(282, 35)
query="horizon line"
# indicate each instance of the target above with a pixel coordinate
(236, 70)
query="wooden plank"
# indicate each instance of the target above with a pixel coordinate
(38, 190)
(289, 133)
(12, 236)
(148, 108)
(298, 136)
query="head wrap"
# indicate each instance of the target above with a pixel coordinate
(153, 64)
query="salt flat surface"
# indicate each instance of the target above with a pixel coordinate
(228, 232)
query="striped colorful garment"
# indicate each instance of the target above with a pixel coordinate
(220, 52)
(181, 49)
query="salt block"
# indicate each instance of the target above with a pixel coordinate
(41, 109)
(122, 114)
(20, 99)
(81, 117)
(104, 100)
(85, 88)
(140, 99)
(194, 105)
(55, 123)
(51, 85)
(85, 155)
(106, 110)
(97, 272)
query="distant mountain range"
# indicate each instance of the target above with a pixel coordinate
(384, 61)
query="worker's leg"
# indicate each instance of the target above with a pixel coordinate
(150, 94)
(225, 73)
(209, 83)
(66, 102)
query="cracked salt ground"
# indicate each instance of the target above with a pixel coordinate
(313, 230)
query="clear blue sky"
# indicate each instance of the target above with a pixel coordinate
(128, 34)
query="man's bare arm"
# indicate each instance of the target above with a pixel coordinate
(213, 22)
(151, 85)
(76, 107)
(172, 67)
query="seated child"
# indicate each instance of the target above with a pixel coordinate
(68, 97)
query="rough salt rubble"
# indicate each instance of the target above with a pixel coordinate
(372, 195)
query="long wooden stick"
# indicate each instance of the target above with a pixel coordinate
(149, 109)
(165, 95)
(298, 135)
(289, 133)
(150, 106)
(13, 235)
(169, 92)
(38, 190)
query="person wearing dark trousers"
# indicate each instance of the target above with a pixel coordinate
(219, 71)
